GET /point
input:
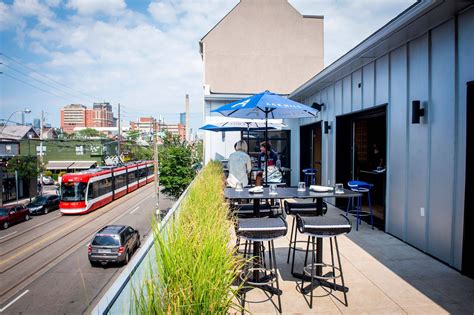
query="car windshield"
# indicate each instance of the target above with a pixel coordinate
(39, 200)
(73, 191)
(106, 240)
(3, 211)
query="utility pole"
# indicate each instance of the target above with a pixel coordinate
(41, 137)
(186, 136)
(156, 166)
(119, 132)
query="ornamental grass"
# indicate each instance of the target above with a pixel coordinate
(195, 265)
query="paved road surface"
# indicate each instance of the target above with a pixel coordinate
(44, 267)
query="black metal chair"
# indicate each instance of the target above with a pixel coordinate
(322, 227)
(293, 209)
(261, 230)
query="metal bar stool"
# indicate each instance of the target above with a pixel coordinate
(361, 187)
(257, 231)
(323, 227)
(294, 209)
(310, 176)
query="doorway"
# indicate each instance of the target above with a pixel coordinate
(467, 255)
(310, 149)
(361, 146)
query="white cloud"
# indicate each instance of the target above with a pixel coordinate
(163, 12)
(90, 7)
(149, 60)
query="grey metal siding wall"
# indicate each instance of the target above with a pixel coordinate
(398, 134)
(426, 161)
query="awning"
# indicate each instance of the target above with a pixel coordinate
(58, 165)
(84, 165)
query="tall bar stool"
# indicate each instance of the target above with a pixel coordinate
(323, 227)
(310, 176)
(261, 274)
(363, 188)
(293, 209)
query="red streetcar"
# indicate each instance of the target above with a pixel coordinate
(86, 191)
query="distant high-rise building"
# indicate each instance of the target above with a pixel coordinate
(103, 115)
(182, 118)
(145, 126)
(36, 122)
(73, 115)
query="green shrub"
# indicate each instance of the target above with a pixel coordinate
(195, 265)
(48, 173)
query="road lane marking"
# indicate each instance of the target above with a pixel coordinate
(8, 235)
(134, 210)
(16, 299)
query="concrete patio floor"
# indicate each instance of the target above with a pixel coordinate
(384, 276)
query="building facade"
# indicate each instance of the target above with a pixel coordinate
(146, 125)
(77, 115)
(424, 58)
(259, 45)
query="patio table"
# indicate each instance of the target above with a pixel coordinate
(284, 193)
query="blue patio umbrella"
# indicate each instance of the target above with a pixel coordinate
(263, 106)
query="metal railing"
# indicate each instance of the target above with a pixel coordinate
(118, 298)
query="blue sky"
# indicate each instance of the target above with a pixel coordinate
(142, 54)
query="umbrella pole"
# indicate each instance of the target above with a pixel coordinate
(248, 138)
(266, 146)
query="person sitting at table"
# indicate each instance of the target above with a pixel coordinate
(239, 165)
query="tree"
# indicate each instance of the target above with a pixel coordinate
(89, 133)
(133, 135)
(176, 165)
(27, 167)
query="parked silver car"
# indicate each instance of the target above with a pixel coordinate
(113, 243)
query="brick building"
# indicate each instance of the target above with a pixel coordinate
(77, 115)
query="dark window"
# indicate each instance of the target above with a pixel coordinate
(151, 170)
(132, 176)
(106, 240)
(142, 172)
(73, 191)
(105, 186)
(120, 180)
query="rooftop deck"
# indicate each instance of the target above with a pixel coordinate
(384, 275)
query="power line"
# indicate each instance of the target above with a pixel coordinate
(49, 85)
(34, 86)
(49, 78)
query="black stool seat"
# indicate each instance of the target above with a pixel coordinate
(323, 225)
(246, 210)
(303, 208)
(261, 228)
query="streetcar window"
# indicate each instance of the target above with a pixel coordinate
(73, 191)
(120, 180)
(142, 172)
(105, 186)
(93, 190)
(107, 240)
(132, 176)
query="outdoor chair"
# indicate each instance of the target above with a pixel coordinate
(322, 227)
(310, 176)
(357, 211)
(293, 209)
(259, 273)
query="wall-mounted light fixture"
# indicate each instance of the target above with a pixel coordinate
(318, 106)
(327, 127)
(416, 112)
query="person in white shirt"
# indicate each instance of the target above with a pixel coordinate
(239, 165)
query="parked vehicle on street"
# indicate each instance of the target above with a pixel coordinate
(113, 243)
(43, 204)
(89, 190)
(10, 215)
(47, 180)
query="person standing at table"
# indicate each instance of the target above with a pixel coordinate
(239, 165)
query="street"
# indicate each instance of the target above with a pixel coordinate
(44, 267)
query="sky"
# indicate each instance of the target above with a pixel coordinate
(141, 54)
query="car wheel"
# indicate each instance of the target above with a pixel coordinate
(127, 258)
(5, 225)
(27, 217)
(46, 210)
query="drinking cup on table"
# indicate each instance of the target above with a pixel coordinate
(339, 189)
(273, 189)
(301, 186)
(239, 186)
